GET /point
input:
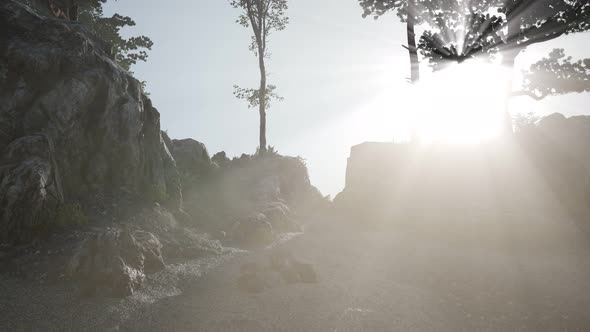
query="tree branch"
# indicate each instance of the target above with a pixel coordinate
(528, 94)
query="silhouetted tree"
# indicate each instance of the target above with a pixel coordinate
(555, 75)
(407, 12)
(473, 28)
(525, 122)
(264, 17)
(484, 28)
(126, 51)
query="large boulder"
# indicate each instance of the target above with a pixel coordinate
(191, 156)
(73, 123)
(280, 217)
(275, 186)
(116, 260)
(221, 159)
(253, 231)
(29, 185)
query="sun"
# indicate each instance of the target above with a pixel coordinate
(462, 104)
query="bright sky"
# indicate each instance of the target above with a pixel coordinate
(343, 78)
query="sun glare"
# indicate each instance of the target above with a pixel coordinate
(462, 104)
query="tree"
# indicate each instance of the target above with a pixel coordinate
(126, 51)
(264, 17)
(555, 75)
(407, 11)
(515, 25)
(469, 28)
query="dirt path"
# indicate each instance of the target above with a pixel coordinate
(473, 271)
(402, 278)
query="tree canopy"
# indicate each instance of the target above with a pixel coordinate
(126, 51)
(458, 30)
(462, 29)
(556, 74)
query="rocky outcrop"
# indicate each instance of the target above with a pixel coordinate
(280, 217)
(192, 161)
(116, 260)
(191, 156)
(30, 187)
(254, 198)
(253, 231)
(73, 124)
(374, 171)
(383, 178)
(221, 159)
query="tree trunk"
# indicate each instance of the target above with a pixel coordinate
(412, 49)
(509, 55)
(508, 61)
(262, 99)
(414, 61)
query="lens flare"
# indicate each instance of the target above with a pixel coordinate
(463, 103)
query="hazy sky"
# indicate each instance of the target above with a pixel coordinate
(342, 77)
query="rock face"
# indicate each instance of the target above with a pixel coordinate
(383, 177)
(374, 171)
(254, 198)
(191, 156)
(116, 260)
(72, 123)
(221, 159)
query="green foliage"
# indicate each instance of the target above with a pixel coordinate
(127, 52)
(264, 16)
(456, 30)
(270, 151)
(556, 74)
(143, 85)
(252, 96)
(70, 214)
(436, 47)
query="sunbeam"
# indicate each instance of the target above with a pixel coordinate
(460, 104)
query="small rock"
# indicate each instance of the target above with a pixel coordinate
(306, 272)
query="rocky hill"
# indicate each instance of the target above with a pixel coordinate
(73, 124)
(89, 186)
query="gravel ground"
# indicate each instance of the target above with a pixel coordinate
(398, 279)
(522, 266)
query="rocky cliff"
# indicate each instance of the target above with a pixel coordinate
(250, 199)
(73, 124)
(91, 189)
(384, 177)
